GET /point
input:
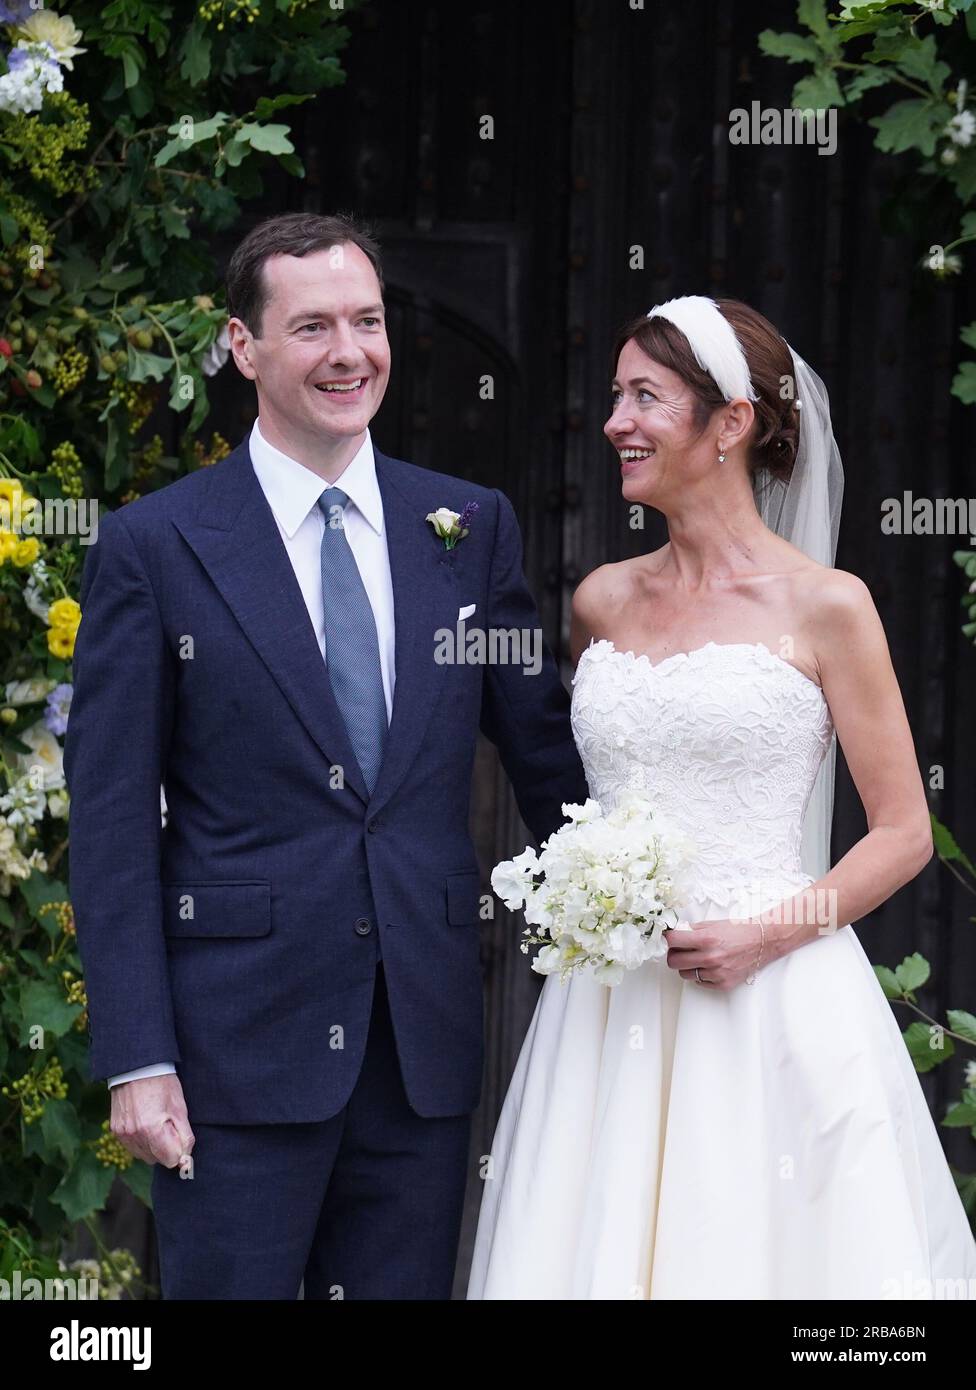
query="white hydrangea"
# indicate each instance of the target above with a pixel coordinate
(22, 88)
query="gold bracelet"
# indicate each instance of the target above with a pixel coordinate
(751, 979)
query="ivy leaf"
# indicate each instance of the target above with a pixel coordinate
(146, 366)
(818, 91)
(812, 14)
(138, 1179)
(37, 892)
(914, 124)
(945, 844)
(195, 52)
(85, 1188)
(43, 1004)
(61, 1128)
(175, 221)
(123, 279)
(271, 139)
(964, 383)
(962, 1023)
(960, 1116)
(793, 47)
(116, 448)
(913, 972)
(888, 981)
(864, 82)
(184, 139)
(918, 1039)
(267, 106)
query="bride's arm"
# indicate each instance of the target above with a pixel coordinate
(865, 702)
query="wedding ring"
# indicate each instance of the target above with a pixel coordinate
(698, 976)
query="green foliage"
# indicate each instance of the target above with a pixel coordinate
(111, 191)
(917, 62)
(930, 1043)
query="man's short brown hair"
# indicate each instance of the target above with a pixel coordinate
(291, 234)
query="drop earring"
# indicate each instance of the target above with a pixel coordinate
(721, 457)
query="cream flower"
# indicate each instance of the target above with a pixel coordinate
(56, 29)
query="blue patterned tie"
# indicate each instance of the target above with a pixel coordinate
(352, 653)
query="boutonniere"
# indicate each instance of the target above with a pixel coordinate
(452, 526)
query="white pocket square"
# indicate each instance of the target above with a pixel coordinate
(466, 611)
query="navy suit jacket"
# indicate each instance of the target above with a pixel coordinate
(239, 941)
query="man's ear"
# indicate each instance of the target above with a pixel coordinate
(241, 341)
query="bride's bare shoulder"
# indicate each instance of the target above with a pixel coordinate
(840, 615)
(605, 591)
(831, 595)
(611, 586)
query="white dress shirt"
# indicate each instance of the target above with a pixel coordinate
(293, 491)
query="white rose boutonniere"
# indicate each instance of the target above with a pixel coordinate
(452, 526)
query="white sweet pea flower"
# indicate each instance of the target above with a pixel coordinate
(58, 803)
(962, 128)
(217, 353)
(23, 803)
(46, 754)
(28, 692)
(512, 879)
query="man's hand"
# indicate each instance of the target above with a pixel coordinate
(149, 1118)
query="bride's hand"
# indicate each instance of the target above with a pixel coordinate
(724, 953)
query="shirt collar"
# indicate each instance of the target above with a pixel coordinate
(293, 490)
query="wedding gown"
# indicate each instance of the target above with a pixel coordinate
(660, 1140)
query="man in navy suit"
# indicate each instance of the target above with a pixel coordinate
(283, 978)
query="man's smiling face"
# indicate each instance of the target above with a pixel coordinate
(321, 362)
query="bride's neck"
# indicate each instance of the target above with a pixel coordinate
(713, 537)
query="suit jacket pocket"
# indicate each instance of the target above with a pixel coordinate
(463, 897)
(239, 907)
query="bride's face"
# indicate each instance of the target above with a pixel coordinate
(653, 430)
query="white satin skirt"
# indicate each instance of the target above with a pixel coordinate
(664, 1141)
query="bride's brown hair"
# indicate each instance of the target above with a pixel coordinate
(776, 433)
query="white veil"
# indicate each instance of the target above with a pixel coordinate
(806, 512)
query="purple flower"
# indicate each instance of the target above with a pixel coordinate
(15, 12)
(467, 514)
(56, 711)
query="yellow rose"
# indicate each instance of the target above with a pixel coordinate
(61, 642)
(8, 544)
(57, 30)
(26, 552)
(64, 613)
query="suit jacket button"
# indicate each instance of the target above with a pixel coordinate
(363, 926)
(373, 826)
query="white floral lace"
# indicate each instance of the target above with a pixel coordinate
(726, 740)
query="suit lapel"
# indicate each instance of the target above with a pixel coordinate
(236, 539)
(423, 592)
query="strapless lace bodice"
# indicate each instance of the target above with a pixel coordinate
(726, 740)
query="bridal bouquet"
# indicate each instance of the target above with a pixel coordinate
(608, 890)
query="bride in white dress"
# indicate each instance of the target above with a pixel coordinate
(743, 1121)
